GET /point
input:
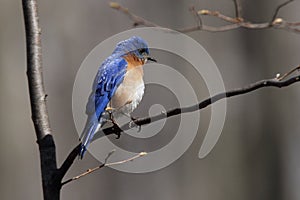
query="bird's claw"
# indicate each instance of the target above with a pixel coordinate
(118, 135)
(116, 128)
(133, 119)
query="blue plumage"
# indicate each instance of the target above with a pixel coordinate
(109, 77)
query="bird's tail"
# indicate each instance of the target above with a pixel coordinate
(91, 127)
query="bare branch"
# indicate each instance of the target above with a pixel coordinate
(197, 16)
(69, 161)
(238, 9)
(136, 19)
(89, 171)
(279, 7)
(209, 28)
(278, 82)
(288, 73)
(219, 15)
(235, 23)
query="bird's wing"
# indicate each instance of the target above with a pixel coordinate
(110, 75)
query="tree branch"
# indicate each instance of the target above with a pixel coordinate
(278, 9)
(278, 81)
(238, 9)
(69, 161)
(105, 164)
(234, 22)
(136, 19)
(197, 16)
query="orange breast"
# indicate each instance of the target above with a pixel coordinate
(133, 61)
(132, 86)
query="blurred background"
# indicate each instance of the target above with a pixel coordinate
(256, 156)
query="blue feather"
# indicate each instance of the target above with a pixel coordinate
(110, 75)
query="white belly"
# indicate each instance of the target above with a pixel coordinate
(129, 93)
(133, 101)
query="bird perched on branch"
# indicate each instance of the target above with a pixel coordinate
(118, 87)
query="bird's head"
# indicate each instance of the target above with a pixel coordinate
(136, 47)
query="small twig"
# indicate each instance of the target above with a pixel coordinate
(127, 160)
(293, 23)
(209, 28)
(197, 16)
(89, 170)
(278, 9)
(238, 9)
(108, 156)
(136, 19)
(235, 23)
(280, 78)
(105, 164)
(219, 15)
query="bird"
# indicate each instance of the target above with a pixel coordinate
(118, 87)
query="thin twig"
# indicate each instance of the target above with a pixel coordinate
(89, 171)
(238, 9)
(127, 160)
(219, 15)
(209, 28)
(136, 19)
(278, 9)
(197, 16)
(288, 73)
(235, 23)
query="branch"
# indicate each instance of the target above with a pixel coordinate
(69, 161)
(105, 164)
(136, 19)
(279, 7)
(197, 17)
(238, 9)
(234, 22)
(279, 82)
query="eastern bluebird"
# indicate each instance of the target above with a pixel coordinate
(118, 86)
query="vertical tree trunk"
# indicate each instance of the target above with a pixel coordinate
(50, 174)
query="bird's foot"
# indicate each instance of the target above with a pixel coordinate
(132, 123)
(117, 130)
(110, 110)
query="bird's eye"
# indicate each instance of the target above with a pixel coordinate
(142, 51)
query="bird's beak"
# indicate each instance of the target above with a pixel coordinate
(151, 59)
